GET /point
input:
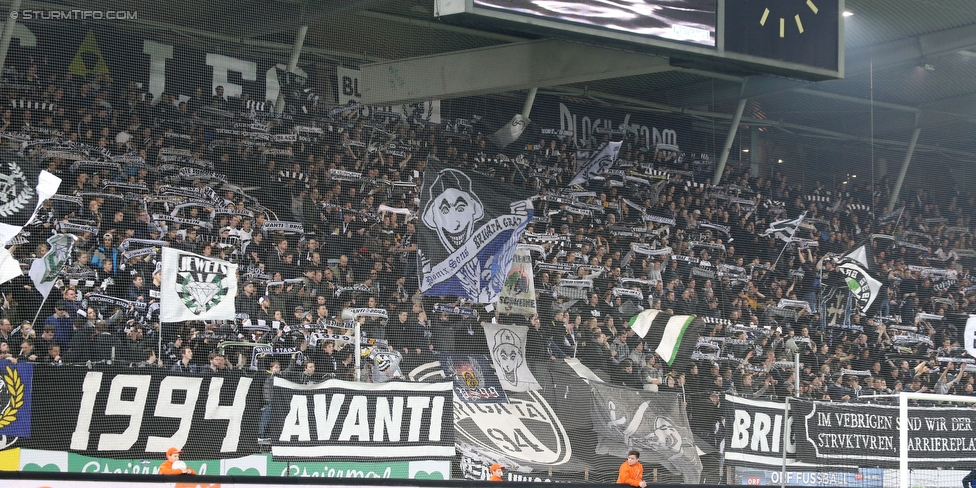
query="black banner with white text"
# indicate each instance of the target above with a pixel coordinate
(362, 420)
(138, 415)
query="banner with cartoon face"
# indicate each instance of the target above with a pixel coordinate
(470, 225)
(506, 344)
(625, 419)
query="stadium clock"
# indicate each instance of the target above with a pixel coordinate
(795, 31)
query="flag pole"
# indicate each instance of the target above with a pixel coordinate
(792, 234)
(41, 307)
(159, 340)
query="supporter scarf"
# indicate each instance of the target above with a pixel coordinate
(138, 253)
(569, 292)
(648, 251)
(370, 312)
(705, 224)
(629, 281)
(455, 310)
(115, 302)
(909, 245)
(77, 228)
(361, 288)
(576, 283)
(625, 292)
(280, 225)
(658, 219)
(124, 245)
(703, 273)
(182, 221)
(801, 304)
(557, 267)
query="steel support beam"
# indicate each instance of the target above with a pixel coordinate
(904, 169)
(754, 150)
(509, 67)
(893, 53)
(529, 100)
(729, 139)
(296, 53)
(8, 32)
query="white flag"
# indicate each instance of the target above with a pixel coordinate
(196, 287)
(598, 164)
(19, 201)
(509, 132)
(506, 345)
(969, 336)
(45, 270)
(9, 267)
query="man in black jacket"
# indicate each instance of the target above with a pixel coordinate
(969, 481)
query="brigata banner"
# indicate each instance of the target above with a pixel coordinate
(869, 434)
(395, 420)
(134, 414)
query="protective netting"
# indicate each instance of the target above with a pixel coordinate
(239, 259)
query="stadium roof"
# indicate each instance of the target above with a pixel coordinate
(909, 63)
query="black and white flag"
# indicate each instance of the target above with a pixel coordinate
(598, 164)
(862, 276)
(471, 226)
(784, 230)
(625, 419)
(22, 191)
(196, 287)
(894, 215)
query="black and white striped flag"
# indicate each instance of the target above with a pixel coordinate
(784, 230)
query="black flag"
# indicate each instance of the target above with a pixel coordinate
(470, 225)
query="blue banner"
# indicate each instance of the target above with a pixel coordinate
(15, 398)
(862, 478)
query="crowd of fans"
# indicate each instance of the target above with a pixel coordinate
(351, 179)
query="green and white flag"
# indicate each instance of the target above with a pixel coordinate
(672, 337)
(518, 294)
(45, 270)
(196, 287)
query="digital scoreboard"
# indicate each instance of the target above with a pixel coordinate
(692, 21)
(796, 38)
